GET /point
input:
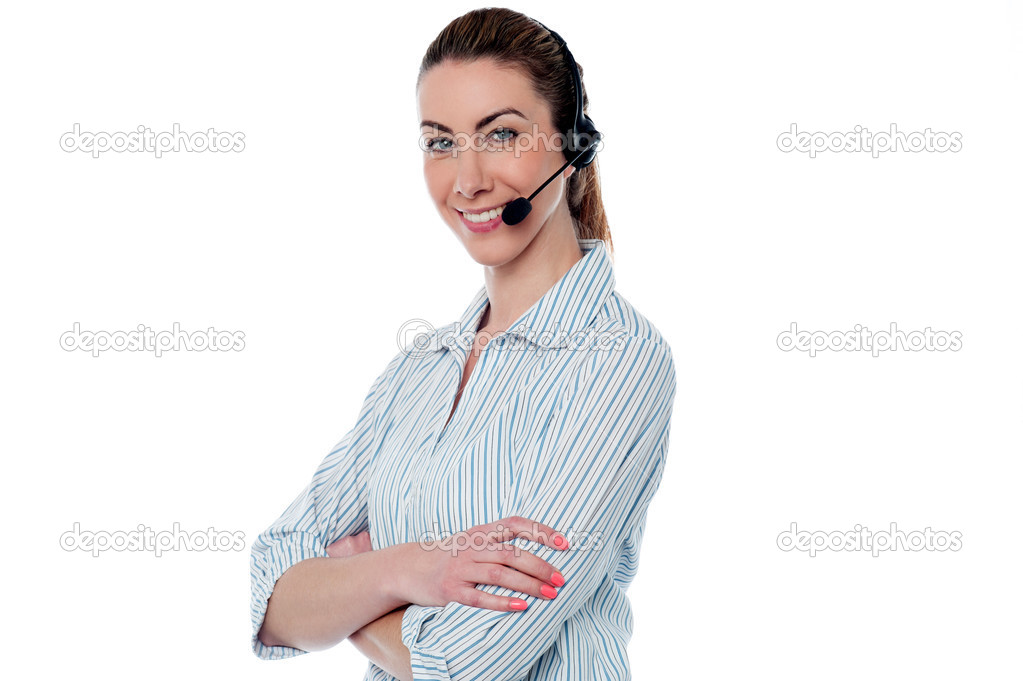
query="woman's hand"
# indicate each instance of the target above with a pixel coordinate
(349, 546)
(445, 571)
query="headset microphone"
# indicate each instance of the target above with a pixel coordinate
(516, 211)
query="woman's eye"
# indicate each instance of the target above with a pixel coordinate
(438, 144)
(503, 135)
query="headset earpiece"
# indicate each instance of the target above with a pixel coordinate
(580, 150)
(583, 136)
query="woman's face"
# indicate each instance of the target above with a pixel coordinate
(489, 139)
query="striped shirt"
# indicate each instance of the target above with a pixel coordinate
(564, 421)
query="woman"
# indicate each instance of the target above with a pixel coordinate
(433, 536)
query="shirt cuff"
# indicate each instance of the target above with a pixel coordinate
(426, 665)
(267, 568)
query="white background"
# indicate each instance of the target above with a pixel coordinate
(319, 240)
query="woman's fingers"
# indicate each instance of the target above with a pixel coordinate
(514, 526)
(524, 562)
(481, 599)
(450, 569)
(350, 546)
(341, 548)
(512, 578)
(362, 542)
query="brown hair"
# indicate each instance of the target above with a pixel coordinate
(512, 38)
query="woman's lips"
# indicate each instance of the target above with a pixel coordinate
(480, 227)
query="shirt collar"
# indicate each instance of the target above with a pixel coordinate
(564, 311)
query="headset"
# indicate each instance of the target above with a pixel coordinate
(581, 147)
(583, 125)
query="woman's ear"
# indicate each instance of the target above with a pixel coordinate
(568, 171)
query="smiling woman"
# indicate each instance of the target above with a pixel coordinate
(523, 88)
(542, 412)
(470, 187)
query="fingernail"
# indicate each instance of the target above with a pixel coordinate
(548, 591)
(557, 579)
(560, 541)
(517, 604)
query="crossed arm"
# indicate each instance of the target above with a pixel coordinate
(595, 473)
(380, 642)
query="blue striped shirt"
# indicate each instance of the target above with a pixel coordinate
(564, 421)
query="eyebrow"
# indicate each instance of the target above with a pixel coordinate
(479, 126)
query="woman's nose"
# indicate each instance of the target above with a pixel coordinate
(471, 177)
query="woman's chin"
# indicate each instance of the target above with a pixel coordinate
(495, 247)
(492, 252)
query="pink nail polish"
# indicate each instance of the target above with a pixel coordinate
(557, 579)
(560, 541)
(517, 604)
(548, 591)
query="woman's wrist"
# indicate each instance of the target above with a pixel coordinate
(395, 566)
(395, 583)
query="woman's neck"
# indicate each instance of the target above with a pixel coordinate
(515, 286)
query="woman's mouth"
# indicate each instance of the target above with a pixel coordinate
(481, 221)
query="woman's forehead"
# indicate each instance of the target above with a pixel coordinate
(460, 94)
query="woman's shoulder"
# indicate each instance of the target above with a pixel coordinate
(623, 347)
(620, 317)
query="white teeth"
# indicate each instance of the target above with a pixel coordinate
(486, 216)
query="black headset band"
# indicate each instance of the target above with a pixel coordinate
(582, 123)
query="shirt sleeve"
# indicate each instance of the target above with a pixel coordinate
(591, 476)
(332, 506)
